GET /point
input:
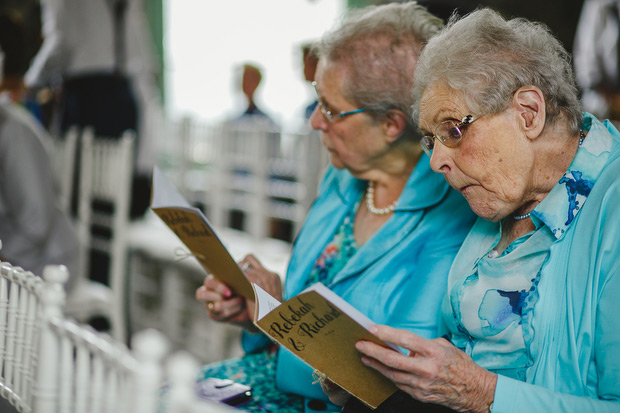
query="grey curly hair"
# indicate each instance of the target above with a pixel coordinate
(379, 47)
(486, 58)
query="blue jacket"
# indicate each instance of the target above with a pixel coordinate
(398, 277)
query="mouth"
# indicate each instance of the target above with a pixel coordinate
(464, 188)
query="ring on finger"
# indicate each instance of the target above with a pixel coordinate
(246, 266)
(210, 306)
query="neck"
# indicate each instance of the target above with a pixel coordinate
(554, 154)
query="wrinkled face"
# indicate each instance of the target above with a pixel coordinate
(352, 141)
(492, 165)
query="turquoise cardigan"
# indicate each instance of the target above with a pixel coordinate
(398, 277)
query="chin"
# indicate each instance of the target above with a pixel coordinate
(484, 212)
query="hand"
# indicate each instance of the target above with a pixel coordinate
(222, 304)
(337, 395)
(434, 371)
(225, 306)
(267, 280)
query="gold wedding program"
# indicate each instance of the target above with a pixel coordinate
(195, 231)
(321, 328)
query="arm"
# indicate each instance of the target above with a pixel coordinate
(27, 186)
(52, 57)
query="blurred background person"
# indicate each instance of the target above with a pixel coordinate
(378, 234)
(310, 62)
(84, 52)
(95, 55)
(33, 229)
(250, 81)
(597, 57)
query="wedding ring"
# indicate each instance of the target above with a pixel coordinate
(246, 266)
(210, 306)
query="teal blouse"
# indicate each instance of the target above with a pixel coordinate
(541, 313)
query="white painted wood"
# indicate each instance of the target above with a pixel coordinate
(106, 170)
(62, 155)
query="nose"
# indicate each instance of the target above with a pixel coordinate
(441, 158)
(317, 120)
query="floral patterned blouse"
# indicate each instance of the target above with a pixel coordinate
(491, 297)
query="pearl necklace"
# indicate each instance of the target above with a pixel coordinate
(370, 202)
(582, 136)
(520, 217)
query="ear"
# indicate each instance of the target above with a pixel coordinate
(394, 124)
(529, 102)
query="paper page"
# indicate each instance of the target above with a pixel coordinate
(265, 303)
(347, 308)
(165, 194)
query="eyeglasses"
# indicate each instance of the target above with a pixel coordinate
(332, 117)
(449, 133)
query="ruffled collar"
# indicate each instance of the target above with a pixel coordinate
(560, 207)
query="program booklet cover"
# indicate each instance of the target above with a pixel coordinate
(321, 328)
(195, 231)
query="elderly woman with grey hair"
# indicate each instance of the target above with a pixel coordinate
(531, 311)
(384, 228)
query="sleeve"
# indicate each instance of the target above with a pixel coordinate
(513, 396)
(431, 272)
(52, 57)
(253, 343)
(28, 188)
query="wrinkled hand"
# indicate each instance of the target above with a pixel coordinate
(224, 305)
(337, 395)
(434, 371)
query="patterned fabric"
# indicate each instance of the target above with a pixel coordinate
(258, 372)
(336, 253)
(491, 297)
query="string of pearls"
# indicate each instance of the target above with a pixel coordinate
(370, 202)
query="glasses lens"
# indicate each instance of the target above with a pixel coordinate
(325, 112)
(449, 134)
(427, 143)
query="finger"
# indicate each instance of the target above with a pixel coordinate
(204, 294)
(402, 338)
(214, 285)
(253, 261)
(399, 377)
(386, 356)
(221, 310)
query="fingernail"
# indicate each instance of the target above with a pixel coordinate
(365, 360)
(227, 293)
(373, 329)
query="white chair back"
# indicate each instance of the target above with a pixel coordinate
(19, 306)
(106, 170)
(62, 154)
(249, 166)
